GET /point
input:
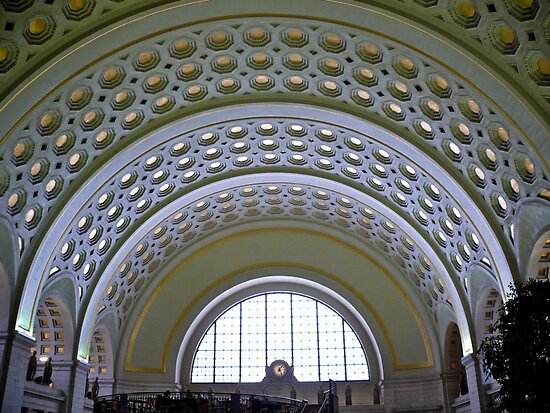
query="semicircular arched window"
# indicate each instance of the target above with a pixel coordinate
(304, 332)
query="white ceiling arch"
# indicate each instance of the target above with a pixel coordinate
(376, 134)
(103, 103)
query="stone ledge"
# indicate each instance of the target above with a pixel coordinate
(34, 389)
(427, 409)
(42, 397)
(88, 405)
(362, 408)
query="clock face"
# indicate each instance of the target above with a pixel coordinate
(279, 368)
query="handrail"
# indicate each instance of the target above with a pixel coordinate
(196, 402)
(330, 401)
(324, 406)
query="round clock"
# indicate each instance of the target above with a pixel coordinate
(279, 368)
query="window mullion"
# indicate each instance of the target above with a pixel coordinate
(266, 332)
(318, 349)
(291, 331)
(240, 341)
(344, 345)
(214, 364)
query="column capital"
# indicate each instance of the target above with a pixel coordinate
(17, 338)
(81, 366)
(470, 359)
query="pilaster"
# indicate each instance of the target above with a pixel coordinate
(16, 353)
(106, 386)
(474, 377)
(79, 386)
(70, 377)
(451, 389)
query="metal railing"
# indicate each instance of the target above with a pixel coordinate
(188, 402)
(330, 402)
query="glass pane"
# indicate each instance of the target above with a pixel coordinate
(208, 340)
(279, 354)
(227, 374)
(253, 358)
(227, 342)
(253, 342)
(331, 356)
(326, 373)
(307, 372)
(202, 375)
(305, 341)
(254, 325)
(204, 359)
(358, 372)
(252, 374)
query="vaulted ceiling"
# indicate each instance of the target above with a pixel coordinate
(138, 136)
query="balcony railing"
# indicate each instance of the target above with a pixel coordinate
(172, 402)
